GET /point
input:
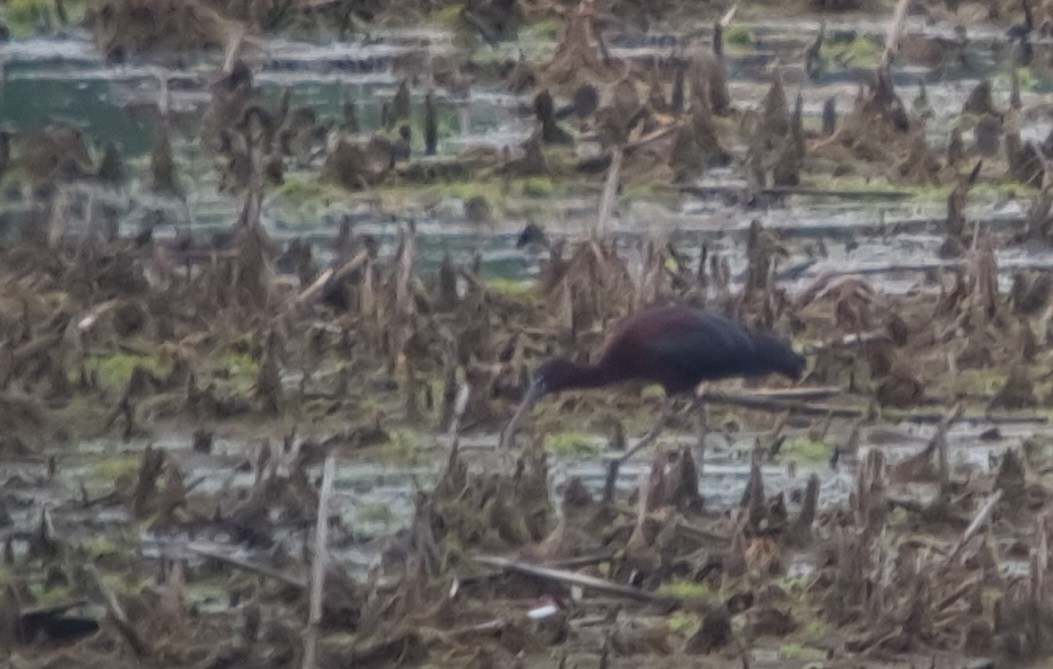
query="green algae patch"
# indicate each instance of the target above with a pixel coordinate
(574, 443)
(236, 367)
(342, 639)
(806, 451)
(98, 546)
(538, 187)
(547, 29)
(25, 17)
(511, 287)
(812, 630)
(860, 51)
(796, 651)
(492, 190)
(739, 37)
(240, 363)
(980, 381)
(683, 624)
(687, 589)
(449, 17)
(53, 596)
(126, 583)
(116, 467)
(409, 445)
(114, 371)
(302, 191)
(646, 190)
(1028, 79)
(215, 592)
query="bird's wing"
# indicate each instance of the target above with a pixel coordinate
(702, 345)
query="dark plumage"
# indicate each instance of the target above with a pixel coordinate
(530, 235)
(675, 346)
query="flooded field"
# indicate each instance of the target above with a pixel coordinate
(275, 276)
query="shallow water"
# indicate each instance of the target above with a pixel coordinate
(63, 79)
(373, 496)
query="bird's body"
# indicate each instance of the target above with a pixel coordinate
(675, 346)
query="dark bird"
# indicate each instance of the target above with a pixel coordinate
(675, 346)
(532, 235)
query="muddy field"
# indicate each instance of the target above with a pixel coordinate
(275, 274)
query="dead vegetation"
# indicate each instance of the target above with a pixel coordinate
(265, 363)
(443, 592)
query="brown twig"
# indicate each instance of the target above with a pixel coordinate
(610, 190)
(116, 612)
(318, 564)
(267, 572)
(982, 516)
(570, 578)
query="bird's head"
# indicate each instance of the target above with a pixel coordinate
(549, 378)
(553, 376)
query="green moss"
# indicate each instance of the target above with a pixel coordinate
(813, 629)
(126, 583)
(545, 29)
(980, 381)
(573, 443)
(341, 639)
(1029, 80)
(113, 468)
(51, 596)
(447, 16)
(806, 451)
(511, 287)
(683, 624)
(861, 51)
(644, 190)
(795, 651)
(493, 191)
(409, 445)
(538, 187)
(687, 589)
(240, 363)
(98, 546)
(114, 371)
(208, 591)
(738, 36)
(409, 438)
(236, 368)
(302, 191)
(25, 15)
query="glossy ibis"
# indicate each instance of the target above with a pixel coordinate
(675, 346)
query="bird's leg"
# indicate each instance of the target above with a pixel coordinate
(648, 439)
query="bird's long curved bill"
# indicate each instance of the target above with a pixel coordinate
(532, 395)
